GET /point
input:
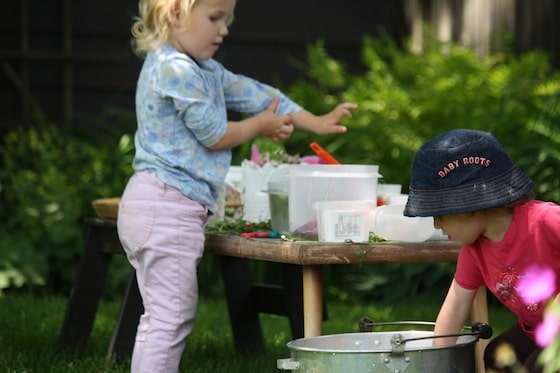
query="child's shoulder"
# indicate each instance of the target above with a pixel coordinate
(542, 205)
(541, 210)
(538, 205)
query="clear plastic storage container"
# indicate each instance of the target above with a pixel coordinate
(316, 183)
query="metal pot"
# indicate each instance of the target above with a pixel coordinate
(394, 351)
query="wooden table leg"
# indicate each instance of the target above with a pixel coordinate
(479, 313)
(243, 313)
(293, 298)
(124, 334)
(85, 297)
(312, 300)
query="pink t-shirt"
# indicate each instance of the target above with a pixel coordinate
(533, 237)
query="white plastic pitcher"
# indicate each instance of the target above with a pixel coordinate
(388, 222)
(255, 197)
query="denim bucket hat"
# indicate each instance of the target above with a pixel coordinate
(463, 170)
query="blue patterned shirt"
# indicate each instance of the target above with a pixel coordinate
(181, 109)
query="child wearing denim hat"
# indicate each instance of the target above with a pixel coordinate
(465, 180)
(183, 152)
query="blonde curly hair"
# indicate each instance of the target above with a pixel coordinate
(151, 27)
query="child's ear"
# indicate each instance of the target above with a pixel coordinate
(175, 14)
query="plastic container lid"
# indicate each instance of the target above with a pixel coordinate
(355, 171)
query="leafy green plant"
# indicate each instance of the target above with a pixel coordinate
(49, 178)
(406, 98)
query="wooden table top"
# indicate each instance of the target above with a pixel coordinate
(316, 253)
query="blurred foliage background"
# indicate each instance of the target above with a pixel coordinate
(50, 174)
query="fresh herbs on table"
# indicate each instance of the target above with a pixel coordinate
(238, 226)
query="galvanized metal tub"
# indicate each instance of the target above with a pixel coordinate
(394, 351)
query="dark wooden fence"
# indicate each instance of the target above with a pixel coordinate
(68, 61)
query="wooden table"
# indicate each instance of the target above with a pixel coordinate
(303, 283)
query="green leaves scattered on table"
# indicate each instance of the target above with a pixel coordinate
(237, 226)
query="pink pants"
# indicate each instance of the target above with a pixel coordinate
(162, 232)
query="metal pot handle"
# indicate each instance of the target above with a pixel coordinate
(366, 324)
(287, 364)
(480, 330)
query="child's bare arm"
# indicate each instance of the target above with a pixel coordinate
(453, 313)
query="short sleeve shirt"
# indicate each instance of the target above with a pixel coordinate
(533, 237)
(181, 110)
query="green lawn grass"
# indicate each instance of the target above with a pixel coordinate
(29, 331)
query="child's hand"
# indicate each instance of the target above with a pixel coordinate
(324, 124)
(275, 127)
(330, 122)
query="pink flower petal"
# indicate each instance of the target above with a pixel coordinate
(538, 284)
(311, 159)
(256, 155)
(546, 331)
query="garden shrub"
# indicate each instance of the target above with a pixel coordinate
(405, 99)
(48, 179)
